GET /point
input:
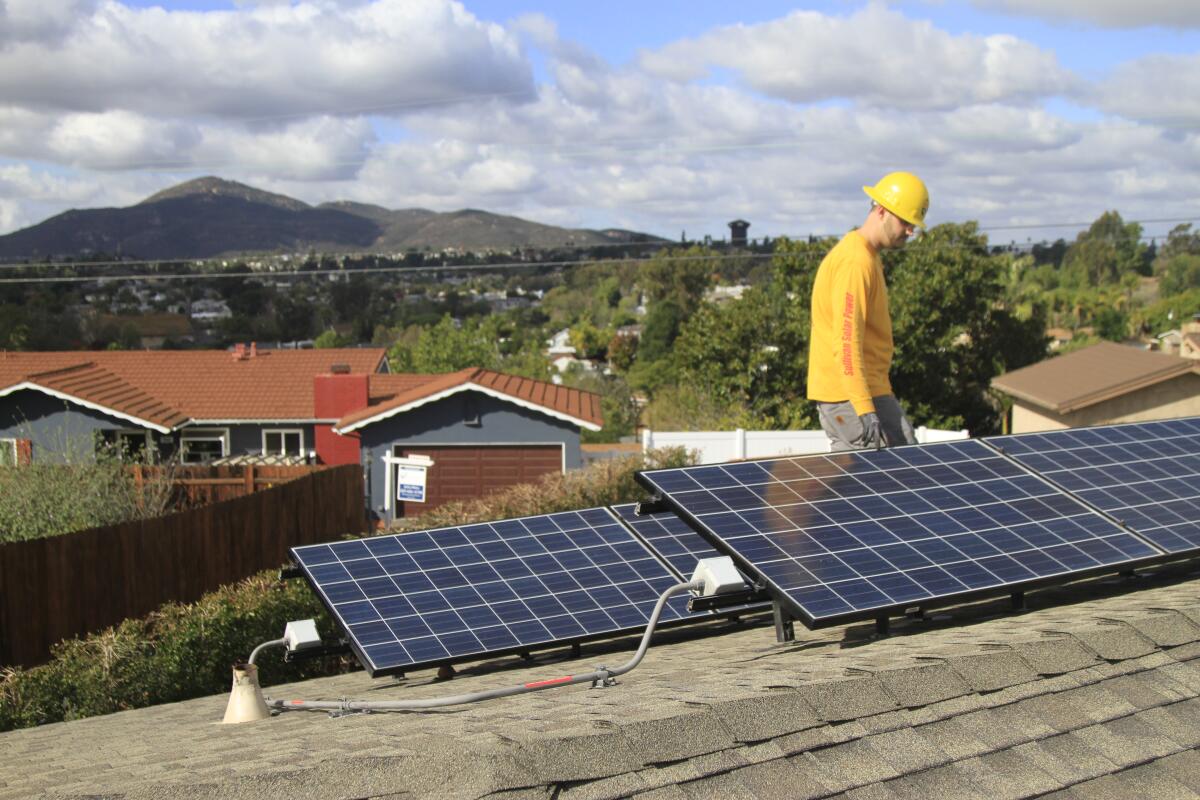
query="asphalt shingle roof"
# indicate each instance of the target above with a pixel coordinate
(1091, 375)
(1094, 693)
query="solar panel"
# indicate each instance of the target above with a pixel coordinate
(1145, 474)
(427, 597)
(676, 543)
(859, 534)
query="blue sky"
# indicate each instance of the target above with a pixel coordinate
(659, 116)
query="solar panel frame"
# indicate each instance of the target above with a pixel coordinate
(377, 620)
(1160, 505)
(849, 502)
(679, 545)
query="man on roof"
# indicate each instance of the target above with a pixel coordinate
(850, 348)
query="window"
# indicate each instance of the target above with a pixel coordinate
(202, 445)
(8, 452)
(287, 442)
(128, 445)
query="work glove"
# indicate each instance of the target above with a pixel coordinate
(872, 435)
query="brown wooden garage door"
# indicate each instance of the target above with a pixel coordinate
(463, 473)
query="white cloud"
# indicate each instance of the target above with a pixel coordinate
(267, 61)
(874, 57)
(1162, 89)
(600, 145)
(1105, 13)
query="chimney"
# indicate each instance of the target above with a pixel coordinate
(253, 349)
(239, 351)
(336, 394)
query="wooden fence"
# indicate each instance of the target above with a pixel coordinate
(66, 586)
(195, 486)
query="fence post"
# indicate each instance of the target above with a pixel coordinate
(249, 475)
(139, 483)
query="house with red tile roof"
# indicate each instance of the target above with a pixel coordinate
(481, 430)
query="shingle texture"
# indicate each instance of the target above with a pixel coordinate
(1093, 693)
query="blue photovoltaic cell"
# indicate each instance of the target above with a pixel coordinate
(849, 533)
(1145, 474)
(673, 538)
(439, 595)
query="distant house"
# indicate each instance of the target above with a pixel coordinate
(483, 430)
(1101, 384)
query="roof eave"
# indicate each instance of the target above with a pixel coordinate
(1073, 404)
(79, 401)
(462, 387)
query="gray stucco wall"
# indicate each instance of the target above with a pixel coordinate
(443, 422)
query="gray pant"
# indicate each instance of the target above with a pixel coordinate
(845, 431)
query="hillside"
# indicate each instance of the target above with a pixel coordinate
(210, 216)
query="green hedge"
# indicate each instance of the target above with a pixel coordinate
(186, 650)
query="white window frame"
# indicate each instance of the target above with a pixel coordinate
(11, 445)
(121, 433)
(283, 433)
(203, 435)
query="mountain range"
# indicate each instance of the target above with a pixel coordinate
(210, 216)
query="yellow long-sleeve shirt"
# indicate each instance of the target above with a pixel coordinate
(850, 349)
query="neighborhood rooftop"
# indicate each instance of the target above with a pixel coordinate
(1090, 376)
(1094, 693)
(190, 384)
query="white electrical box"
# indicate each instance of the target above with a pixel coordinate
(719, 576)
(301, 634)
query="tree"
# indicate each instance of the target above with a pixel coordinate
(1178, 261)
(589, 341)
(953, 328)
(622, 350)
(678, 275)
(329, 338)
(659, 331)
(1104, 252)
(447, 347)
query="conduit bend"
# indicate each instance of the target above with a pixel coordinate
(601, 676)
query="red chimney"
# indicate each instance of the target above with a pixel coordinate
(336, 394)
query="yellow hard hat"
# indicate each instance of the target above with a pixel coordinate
(903, 194)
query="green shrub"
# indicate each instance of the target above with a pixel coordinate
(186, 650)
(179, 652)
(603, 483)
(40, 500)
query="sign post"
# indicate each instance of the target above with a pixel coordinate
(409, 475)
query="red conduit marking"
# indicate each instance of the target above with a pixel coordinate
(550, 682)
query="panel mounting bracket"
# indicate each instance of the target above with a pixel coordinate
(785, 629)
(655, 504)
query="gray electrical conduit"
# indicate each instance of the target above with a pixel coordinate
(601, 676)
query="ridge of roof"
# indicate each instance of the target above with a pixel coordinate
(1102, 684)
(574, 405)
(1090, 375)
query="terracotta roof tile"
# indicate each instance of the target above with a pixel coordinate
(191, 384)
(1091, 375)
(390, 394)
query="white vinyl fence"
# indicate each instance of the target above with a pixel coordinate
(717, 446)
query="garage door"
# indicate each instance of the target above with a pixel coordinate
(464, 473)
